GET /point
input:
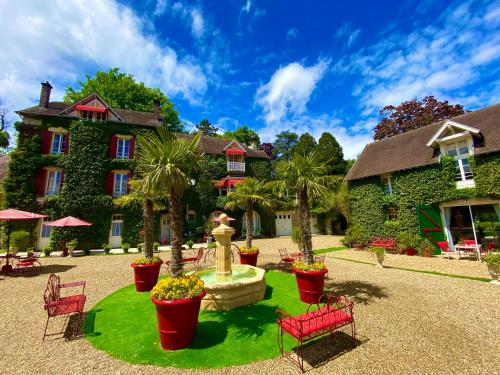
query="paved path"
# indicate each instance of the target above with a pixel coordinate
(407, 323)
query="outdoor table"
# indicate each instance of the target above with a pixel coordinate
(476, 249)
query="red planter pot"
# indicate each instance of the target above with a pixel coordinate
(410, 251)
(310, 284)
(146, 276)
(177, 321)
(249, 258)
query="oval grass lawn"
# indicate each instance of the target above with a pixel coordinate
(124, 326)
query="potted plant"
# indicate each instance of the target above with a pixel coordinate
(310, 280)
(493, 262)
(146, 271)
(355, 237)
(125, 247)
(106, 248)
(47, 250)
(156, 247)
(140, 247)
(407, 243)
(426, 248)
(71, 245)
(177, 301)
(249, 255)
(297, 237)
(379, 255)
(189, 244)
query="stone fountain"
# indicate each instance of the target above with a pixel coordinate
(230, 286)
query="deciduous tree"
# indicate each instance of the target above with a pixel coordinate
(206, 128)
(305, 145)
(243, 134)
(413, 114)
(285, 143)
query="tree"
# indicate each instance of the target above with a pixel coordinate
(307, 176)
(284, 144)
(121, 90)
(244, 135)
(305, 145)
(268, 148)
(248, 194)
(329, 150)
(168, 163)
(4, 126)
(413, 114)
(148, 200)
(206, 128)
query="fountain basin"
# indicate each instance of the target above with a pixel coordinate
(246, 285)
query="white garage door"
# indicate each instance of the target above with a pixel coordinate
(283, 224)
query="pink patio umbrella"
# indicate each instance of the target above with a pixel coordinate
(12, 215)
(69, 221)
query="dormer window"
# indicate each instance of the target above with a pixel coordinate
(92, 113)
(387, 183)
(460, 152)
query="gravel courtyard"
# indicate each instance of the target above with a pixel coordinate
(407, 322)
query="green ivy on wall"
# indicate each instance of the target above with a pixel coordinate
(428, 185)
(258, 168)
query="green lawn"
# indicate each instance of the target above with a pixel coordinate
(124, 325)
(329, 250)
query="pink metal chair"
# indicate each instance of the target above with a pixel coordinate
(30, 263)
(286, 260)
(445, 248)
(470, 242)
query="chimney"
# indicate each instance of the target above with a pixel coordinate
(156, 108)
(45, 94)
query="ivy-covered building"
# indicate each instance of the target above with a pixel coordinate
(442, 181)
(76, 158)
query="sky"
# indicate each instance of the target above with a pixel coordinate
(310, 66)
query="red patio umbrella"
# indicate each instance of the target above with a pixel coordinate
(70, 221)
(12, 215)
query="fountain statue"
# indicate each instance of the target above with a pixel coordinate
(230, 286)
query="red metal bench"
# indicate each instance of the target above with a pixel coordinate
(30, 263)
(388, 243)
(62, 306)
(335, 313)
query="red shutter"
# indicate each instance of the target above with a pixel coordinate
(110, 181)
(66, 143)
(41, 179)
(62, 181)
(112, 147)
(129, 177)
(132, 149)
(46, 141)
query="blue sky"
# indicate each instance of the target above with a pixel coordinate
(272, 65)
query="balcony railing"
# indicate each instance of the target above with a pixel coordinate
(233, 166)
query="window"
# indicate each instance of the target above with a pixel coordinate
(53, 183)
(45, 229)
(120, 185)
(57, 143)
(460, 152)
(386, 181)
(191, 215)
(123, 148)
(87, 115)
(392, 212)
(116, 225)
(101, 116)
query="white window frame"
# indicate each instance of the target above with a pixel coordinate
(60, 150)
(387, 178)
(464, 181)
(122, 155)
(122, 187)
(116, 222)
(45, 226)
(54, 189)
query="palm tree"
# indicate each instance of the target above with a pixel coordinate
(248, 194)
(167, 163)
(306, 176)
(149, 200)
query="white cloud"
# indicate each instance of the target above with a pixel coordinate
(292, 33)
(197, 26)
(58, 40)
(246, 8)
(289, 90)
(451, 57)
(160, 8)
(347, 33)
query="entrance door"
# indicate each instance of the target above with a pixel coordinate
(115, 235)
(283, 224)
(44, 237)
(164, 230)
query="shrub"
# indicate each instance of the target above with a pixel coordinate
(316, 266)
(212, 245)
(106, 248)
(20, 240)
(251, 250)
(296, 235)
(140, 247)
(377, 250)
(355, 236)
(73, 243)
(407, 240)
(125, 247)
(189, 244)
(147, 260)
(492, 259)
(30, 251)
(426, 248)
(156, 246)
(174, 288)
(47, 250)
